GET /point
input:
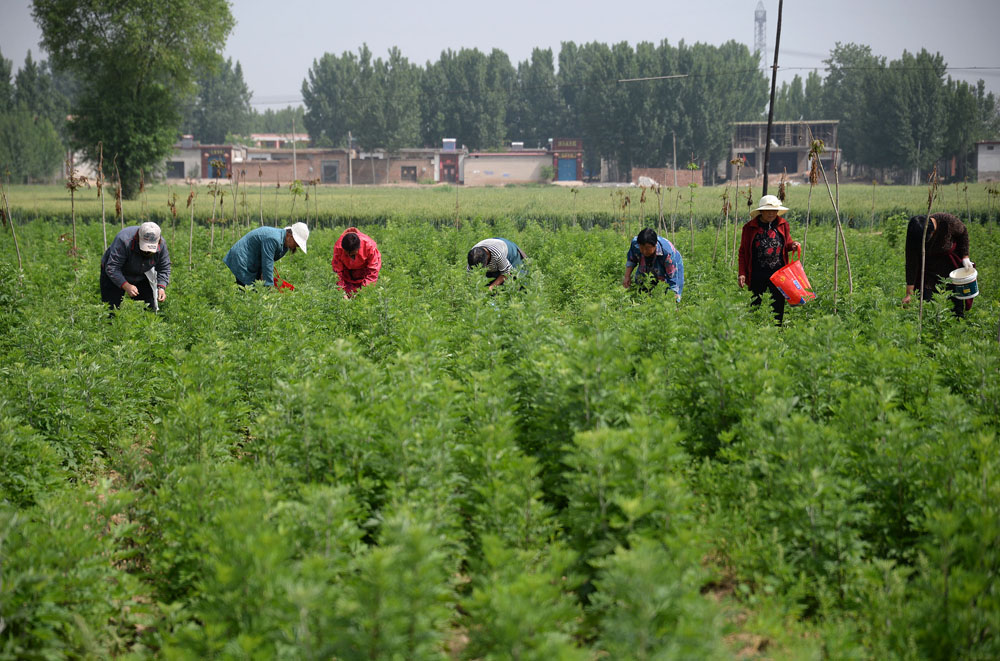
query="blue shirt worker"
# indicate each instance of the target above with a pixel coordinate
(136, 263)
(253, 256)
(653, 259)
(500, 257)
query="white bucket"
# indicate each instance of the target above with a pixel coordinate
(963, 283)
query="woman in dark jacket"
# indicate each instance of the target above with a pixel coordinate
(764, 248)
(947, 241)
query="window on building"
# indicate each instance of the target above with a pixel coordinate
(988, 148)
(175, 170)
(331, 172)
(408, 173)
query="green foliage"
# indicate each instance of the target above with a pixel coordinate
(556, 470)
(62, 595)
(221, 106)
(30, 149)
(133, 77)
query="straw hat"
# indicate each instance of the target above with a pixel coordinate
(300, 232)
(769, 203)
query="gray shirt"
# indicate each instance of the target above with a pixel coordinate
(124, 261)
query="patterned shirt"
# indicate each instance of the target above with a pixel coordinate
(666, 265)
(768, 251)
(498, 252)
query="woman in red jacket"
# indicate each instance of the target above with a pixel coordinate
(356, 261)
(764, 249)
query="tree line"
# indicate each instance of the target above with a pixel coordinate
(484, 101)
(903, 114)
(128, 94)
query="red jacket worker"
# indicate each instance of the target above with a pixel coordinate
(356, 260)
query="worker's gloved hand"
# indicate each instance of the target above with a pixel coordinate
(966, 262)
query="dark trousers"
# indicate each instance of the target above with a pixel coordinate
(112, 294)
(778, 302)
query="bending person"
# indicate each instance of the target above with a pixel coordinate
(947, 248)
(252, 258)
(501, 258)
(356, 261)
(654, 259)
(136, 263)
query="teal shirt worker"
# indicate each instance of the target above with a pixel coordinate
(253, 256)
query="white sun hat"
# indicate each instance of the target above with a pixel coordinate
(769, 203)
(300, 232)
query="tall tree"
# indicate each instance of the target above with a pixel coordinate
(6, 87)
(30, 148)
(279, 121)
(853, 93)
(135, 62)
(329, 93)
(535, 110)
(221, 105)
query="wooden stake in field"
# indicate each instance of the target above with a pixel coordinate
(260, 189)
(871, 226)
(813, 180)
(738, 163)
(190, 204)
(932, 189)
(10, 219)
(277, 187)
(658, 191)
(817, 147)
(692, 166)
(73, 182)
(100, 190)
(214, 188)
(118, 193)
(718, 227)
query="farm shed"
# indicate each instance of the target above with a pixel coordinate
(790, 143)
(988, 160)
(509, 167)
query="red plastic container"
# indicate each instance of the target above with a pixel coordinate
(792, 282)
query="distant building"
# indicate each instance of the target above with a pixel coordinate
(278, 140)
(524, 166)
(790, 144)
(988, 160)
(193, 160)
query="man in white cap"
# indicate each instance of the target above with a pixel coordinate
(764, 249)
(136, 263)
(252, 257)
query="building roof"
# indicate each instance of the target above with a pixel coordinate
(537, 152)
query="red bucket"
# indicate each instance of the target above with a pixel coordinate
(792, 282)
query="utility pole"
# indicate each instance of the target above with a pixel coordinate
(770, 108)
(350, 160)
(295, 170)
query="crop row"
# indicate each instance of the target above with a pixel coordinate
(560, 471)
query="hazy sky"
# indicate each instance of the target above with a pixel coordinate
(276, 42)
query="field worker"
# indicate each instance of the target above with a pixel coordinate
(654, 259)
(356, 261)
(501, 258)
(764, 249)
(947, 242)
(136, 263)
(253, 257)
